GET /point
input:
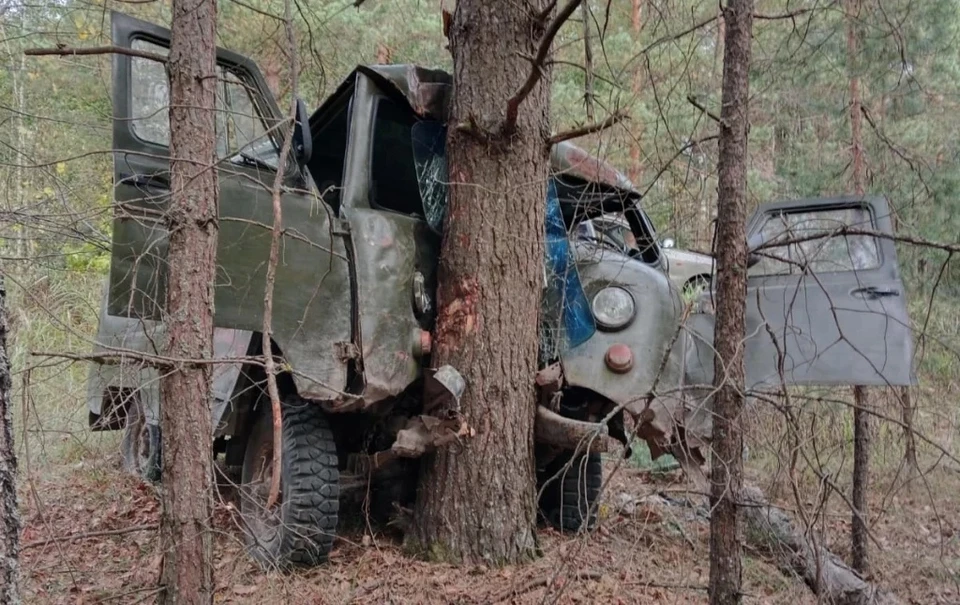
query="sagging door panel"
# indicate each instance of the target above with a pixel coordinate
(312, 303)
(825, 309)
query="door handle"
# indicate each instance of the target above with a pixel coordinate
(145, 181)
(874, 293)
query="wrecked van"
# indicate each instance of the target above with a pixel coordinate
(363, 202)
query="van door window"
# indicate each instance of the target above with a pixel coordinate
(394, 185)
(241, 131)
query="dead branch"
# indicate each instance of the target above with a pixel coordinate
(536, 70)
(593, 127)
(544, 580)
(693, 101)
(95, 50)
(272, 262)
(90, 534)
(824, 572)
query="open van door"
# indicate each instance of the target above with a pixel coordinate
(312, 304)
(824, 307)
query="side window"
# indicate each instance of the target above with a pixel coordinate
(807, 245)
(150, 92)
(393, 170)
(246, 134)
(241, 131)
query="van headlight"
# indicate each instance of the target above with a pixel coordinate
(613, 308)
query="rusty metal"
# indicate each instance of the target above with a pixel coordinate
(566, 433)
(619, 358)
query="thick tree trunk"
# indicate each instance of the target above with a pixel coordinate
(861, 417)
(9, 513)
(187, 571)
(726, 474)
(476, 499)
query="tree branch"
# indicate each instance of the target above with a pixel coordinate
(536, 71)
(95, 50)
(586, 129)
(693, 101)
(90, 534)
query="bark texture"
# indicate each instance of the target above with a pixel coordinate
(727, 460)
(187, 570)
(476, 499)
(9, 513)
(861, 417)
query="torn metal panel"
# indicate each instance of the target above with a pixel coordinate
(442, 391)
(551, 428)
(424, 434)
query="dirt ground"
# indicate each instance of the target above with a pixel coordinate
(90, 537)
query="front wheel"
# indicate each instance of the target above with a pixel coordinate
(571, 488)
(299, 530)
(140, 446)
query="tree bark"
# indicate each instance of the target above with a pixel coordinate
(9, 512)
(907, 413)
(192, 221)
(726, 475)
(588, 94)
(636, 167)
(476, 499)
(861, 417)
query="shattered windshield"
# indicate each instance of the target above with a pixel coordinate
(566, 317)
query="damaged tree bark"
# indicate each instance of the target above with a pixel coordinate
(476, 499)
(9, 513)
(727, 460)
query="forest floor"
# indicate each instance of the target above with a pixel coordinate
(649, 548)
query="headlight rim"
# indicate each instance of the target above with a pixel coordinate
(613, 326)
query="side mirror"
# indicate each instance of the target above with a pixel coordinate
(668, 243)
(302, 139)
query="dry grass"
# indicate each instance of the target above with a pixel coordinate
(71, 483)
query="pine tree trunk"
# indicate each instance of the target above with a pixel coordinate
(726, 476)
(187, 570)
(9, 513)
(907, 413)
(861, 417)
(476, 499)
(636, 165)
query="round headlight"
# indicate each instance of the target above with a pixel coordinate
(613, 307)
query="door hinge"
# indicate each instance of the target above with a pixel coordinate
(340, 226)
(346, 351)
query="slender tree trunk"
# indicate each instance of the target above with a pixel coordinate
(907, 413)
(636, 166)
(9, 513)
(726, 475)
(587, 59)
(476, 500)
(861, 417)
(187, 570)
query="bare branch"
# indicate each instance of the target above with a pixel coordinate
(586, 129)
(693, 101)
(536, 72)
(95, 50)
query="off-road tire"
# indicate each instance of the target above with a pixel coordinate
(140, 446)
(568, 502)
(300, 530)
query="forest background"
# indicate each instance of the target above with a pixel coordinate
(657, 61)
